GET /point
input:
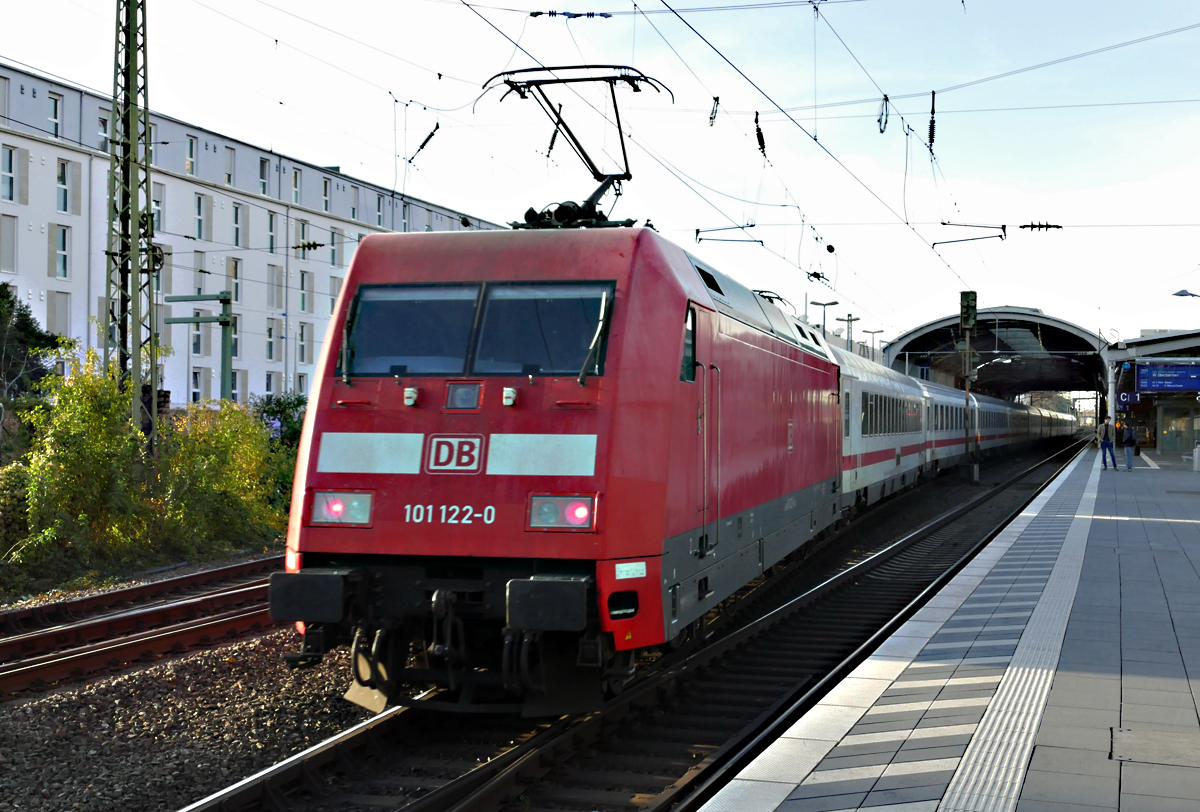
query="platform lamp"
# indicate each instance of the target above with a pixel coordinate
(823, 305)
(872, 334)
(1186, 293)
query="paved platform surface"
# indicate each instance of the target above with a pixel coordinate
(1058, 672)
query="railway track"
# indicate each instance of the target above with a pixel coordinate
(674, 737)
(126, 625)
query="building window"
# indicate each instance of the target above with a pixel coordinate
(189, 166)
(159, 192)
(269, 384)
(198, 265)
(302, 384)
(102, 131)
(235, 278)
(62, 197)
(275, 287)
(272, 336)
(153, 142)
(196, 384)
(305, 292)
(336, 239)
(404, 217)
(56, 107)
(325, 194)
(58, 312)
(302, 227)
(197, 336)
(353, 202)
(62, 242)
(264, 172)
(302, 338)
(237, 226)
(230, 163)
(234, 323)
(8, 175)
(378, 210)
(199, 230)
(271, 232)
(296, 186)
(8, 244)
(335, 287)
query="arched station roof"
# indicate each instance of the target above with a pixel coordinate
(1018, 349)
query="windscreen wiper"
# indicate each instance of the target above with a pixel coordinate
(597, 339)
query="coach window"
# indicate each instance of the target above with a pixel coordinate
(543, 329)
(687, 367)
(864, 431)
(846, 416)
(419, 330)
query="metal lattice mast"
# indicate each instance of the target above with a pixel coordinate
(129, 323)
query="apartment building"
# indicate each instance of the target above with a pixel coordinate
(228, 216)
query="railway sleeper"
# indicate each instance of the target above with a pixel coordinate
(587, 799)
(609, 778)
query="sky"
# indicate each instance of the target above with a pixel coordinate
(1104, 145)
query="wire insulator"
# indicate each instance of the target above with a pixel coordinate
(932, 110)
(762, 144)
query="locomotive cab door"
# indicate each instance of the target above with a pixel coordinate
(700, 368)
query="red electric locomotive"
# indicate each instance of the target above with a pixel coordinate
(529, 454)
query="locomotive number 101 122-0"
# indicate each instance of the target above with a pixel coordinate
(448, 514)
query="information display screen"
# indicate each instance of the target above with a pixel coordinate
(1168, 378)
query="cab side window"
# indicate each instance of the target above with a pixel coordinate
(687, 368)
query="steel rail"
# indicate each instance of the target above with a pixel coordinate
(487, 785)
(42, 671)
(26, 618)
(114, 626)
(697, 789)
(766, 727)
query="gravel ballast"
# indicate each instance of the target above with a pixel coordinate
(171, 733)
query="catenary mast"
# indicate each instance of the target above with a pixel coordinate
(133, 259)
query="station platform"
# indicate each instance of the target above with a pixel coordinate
(1058, 672)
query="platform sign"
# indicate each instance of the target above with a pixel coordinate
(1125, 398)
(1168, 378)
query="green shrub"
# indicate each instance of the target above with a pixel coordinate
(217, 479)
(14, 519)
(99, 505)
(87, 470)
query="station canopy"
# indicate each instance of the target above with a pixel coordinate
(1015, 350)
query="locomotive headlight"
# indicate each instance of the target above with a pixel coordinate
(573, 512)
(547, 514)
(331, 507)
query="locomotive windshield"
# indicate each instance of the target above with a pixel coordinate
(538, 329)
(523, 329)
(412, 330)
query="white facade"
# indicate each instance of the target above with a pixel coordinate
(229, 216)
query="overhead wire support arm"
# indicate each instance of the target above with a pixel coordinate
(1002, 235)
(700, 231)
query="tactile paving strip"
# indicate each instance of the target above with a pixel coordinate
(908, 735)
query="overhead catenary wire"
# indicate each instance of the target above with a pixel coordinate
(645, 148)
(712, 118)
(821, 146)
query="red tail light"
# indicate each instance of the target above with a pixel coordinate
(571, 512)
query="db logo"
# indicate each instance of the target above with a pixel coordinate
(454, 454)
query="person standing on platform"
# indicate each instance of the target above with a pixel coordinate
(1129, 440)
(1106, 433)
